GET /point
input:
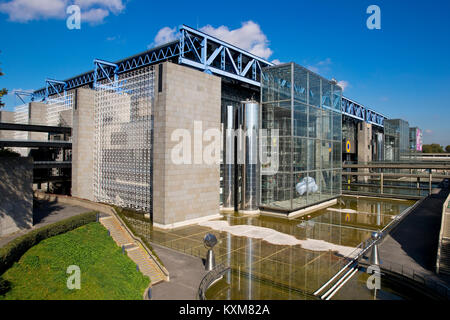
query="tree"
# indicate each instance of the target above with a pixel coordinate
(447, 149)
(432, 148)
(3, 91)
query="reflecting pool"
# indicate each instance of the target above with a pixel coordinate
(264, 268)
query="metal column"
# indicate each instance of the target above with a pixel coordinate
(228, 173)
(250, 167)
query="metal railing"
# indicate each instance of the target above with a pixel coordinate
(444, 239)
(418, 277)
(210, 278)
(349, 261)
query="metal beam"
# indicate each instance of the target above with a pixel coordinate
(33, 128)
(35, 144)
(398, 166)
(51, 164)
(21, 94)
(358, 111)
(224, 59)
(146, 58)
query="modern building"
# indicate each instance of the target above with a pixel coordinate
(415, 139)
(147, 132)
(398, 130)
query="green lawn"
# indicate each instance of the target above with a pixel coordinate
(105, 272)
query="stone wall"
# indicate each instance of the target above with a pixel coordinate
(7, 117)
(83, 144)
(16, 194)
(184, 193)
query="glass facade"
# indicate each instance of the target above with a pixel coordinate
(397, 139)
(306, 110)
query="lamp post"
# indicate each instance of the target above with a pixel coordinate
(210, 241)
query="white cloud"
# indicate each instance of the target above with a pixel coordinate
(313, 69)
(428, 131)
(94, 15)
(115, 6)
(164, 35)
(276, 61)
(92, 11)
(248, 37)
(26, 10)
(343, 84)
(322, 66)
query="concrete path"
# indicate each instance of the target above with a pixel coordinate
(414, 242)
(186, 272)
(44, 213)
(134, 251)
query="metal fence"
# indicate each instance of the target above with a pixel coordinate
(419, 277)
(209, 278)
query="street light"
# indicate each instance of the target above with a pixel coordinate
(210, 241)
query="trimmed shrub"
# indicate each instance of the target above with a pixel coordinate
(17, 247)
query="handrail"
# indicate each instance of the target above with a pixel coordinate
(209, 278)
(138, 239)
(441, 233)
(416, 276)
(354, 256)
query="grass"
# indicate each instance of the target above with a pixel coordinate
(106, 273)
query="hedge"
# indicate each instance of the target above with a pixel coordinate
(12, 252)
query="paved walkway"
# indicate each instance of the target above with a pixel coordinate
(134, 250)
(185, 271)
(414, 242)
(44, 213)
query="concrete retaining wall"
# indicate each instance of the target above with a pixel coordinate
(16, 194)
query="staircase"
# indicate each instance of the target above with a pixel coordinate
(135, 251)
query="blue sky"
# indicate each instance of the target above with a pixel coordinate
(402, 70)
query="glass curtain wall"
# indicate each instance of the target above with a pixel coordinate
(306, 110)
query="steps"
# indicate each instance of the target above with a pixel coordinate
(135, 252)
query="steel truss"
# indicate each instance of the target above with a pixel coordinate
(212, 55)
(104, 70)
(198, 50)
(360, 112)
(22, 95)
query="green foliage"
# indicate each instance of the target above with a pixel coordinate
(447, 149)
(3, 92)
(17, 247)
(6, 152)
(106, 273)
(432, 148)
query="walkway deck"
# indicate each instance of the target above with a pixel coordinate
(414, 242)
(186, 273)
(44, 213)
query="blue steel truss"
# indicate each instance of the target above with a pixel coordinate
(212, 55)
(360, 112)
(198, 50)
(21, 94)
(55, 86)
(105, 70)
